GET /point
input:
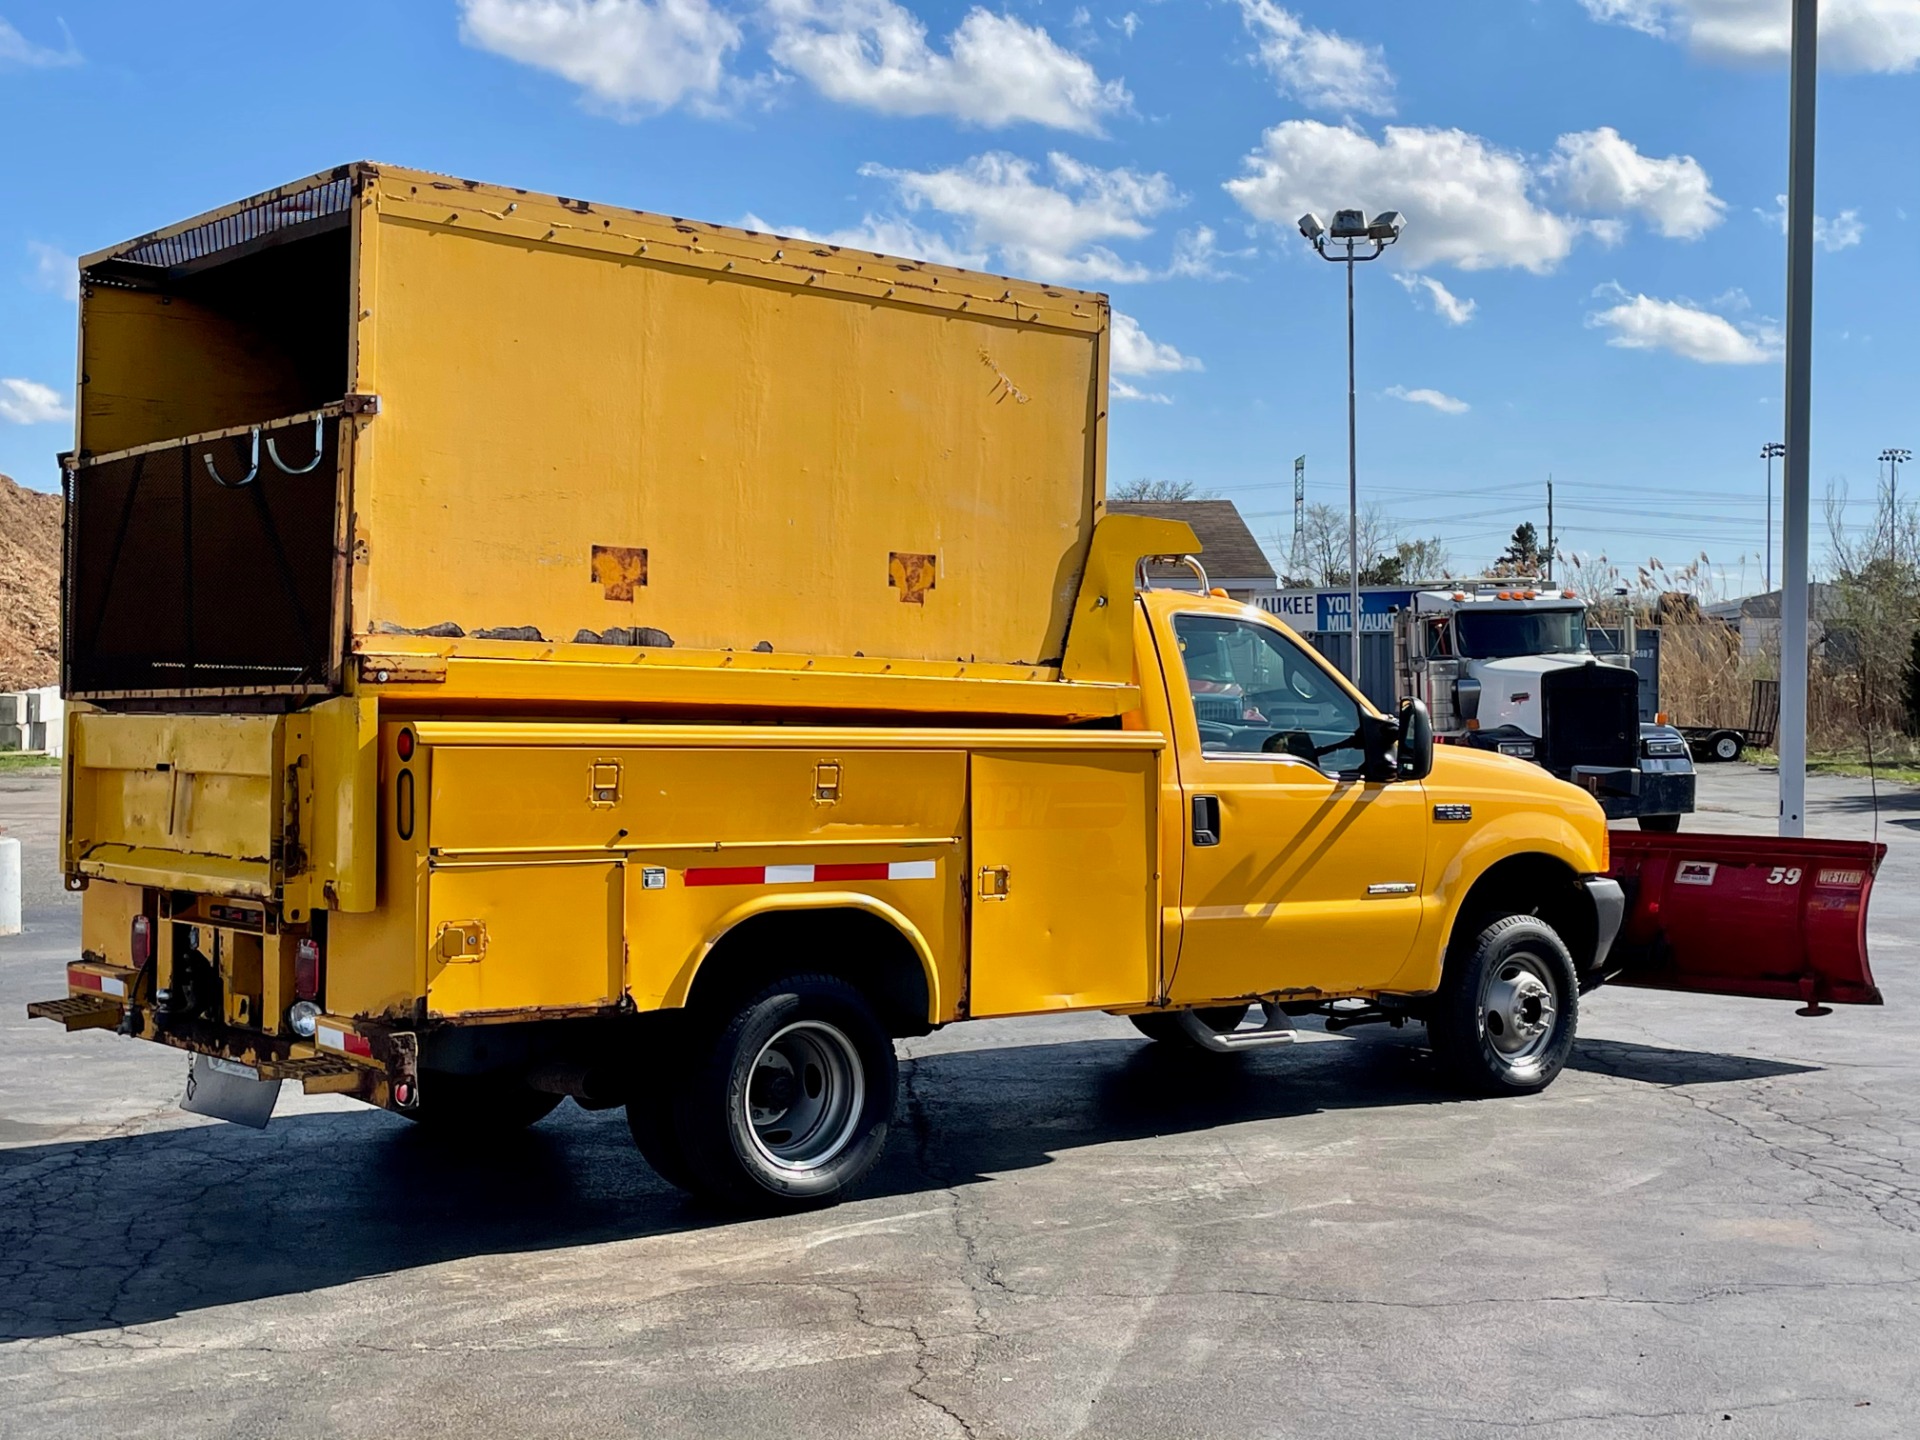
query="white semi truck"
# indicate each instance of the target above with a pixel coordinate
(1506, 666)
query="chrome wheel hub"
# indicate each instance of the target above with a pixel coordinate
(804, 1096)
(1518, 1011)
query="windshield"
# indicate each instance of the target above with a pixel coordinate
(1499, 634)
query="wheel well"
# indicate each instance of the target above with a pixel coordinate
(1530, 885)
(854, 945)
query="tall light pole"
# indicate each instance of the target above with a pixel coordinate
(1803, 91)
(1351, 227)
(1893, 460)
(1770, 452)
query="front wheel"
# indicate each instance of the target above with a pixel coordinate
(1660, 824)
(788, 1107)
(1503, 1022)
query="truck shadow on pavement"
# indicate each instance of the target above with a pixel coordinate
(133, 1229)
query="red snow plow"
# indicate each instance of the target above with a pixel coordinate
(1775, 918)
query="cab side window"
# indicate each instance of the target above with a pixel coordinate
(1439, 640)
(1255, 692)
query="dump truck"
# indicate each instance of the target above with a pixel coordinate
(521, 649)
(1505, 666)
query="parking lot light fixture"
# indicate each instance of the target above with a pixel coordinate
(1350, 228)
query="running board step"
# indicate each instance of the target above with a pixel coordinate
(1276, 1028)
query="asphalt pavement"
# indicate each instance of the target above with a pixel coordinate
(1709, 1226)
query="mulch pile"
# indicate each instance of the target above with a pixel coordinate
(29, 587)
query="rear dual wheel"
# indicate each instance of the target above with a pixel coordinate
(784, 1104)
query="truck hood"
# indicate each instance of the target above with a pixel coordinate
(1510, 689)
(1518, 798)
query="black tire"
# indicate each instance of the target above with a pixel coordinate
(475, 1107)
(814, 1056)
(1660, 824)
(1725, 747)
(1504, 1020)
(1164, 1027)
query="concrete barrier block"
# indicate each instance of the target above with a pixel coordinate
(36, 735)
(13, 708)
(9, 885)
(13, 737)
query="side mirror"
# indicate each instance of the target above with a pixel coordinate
(1414, 742)
(1466, 698)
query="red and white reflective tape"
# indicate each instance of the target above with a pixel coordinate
(87, 980)
(810, 874)
(328, 1037)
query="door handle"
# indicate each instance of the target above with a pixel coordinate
(1206, 820)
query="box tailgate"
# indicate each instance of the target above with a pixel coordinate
(277, 808)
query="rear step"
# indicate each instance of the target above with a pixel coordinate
(1276, 1028)
(78, 1012)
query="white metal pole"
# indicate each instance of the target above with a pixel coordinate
(1799, 393)
(1353, 490)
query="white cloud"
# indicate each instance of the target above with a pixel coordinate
(1126, 24)
(1319, 68)
(1640, 322)
(1197, 255)
(28, 402)
(1136, 353)
(996, 70)
(635, 56)
(1597, 172)
(1050, 231)
(1120, 390)
(1872, 35)
(1467, 202)
(883, 236)
(1842, 232)
(54, 271)
(16, 49)
(1444, 403)
(1448, 306)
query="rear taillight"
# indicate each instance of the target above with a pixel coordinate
(140, 947)
(306, 969)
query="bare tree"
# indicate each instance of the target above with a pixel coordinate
(1146, 489)
(1873, 609)
(1325, 536)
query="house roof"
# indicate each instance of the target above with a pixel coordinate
(1820, 603)
(1228, 548)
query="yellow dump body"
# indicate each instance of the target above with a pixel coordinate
(547, 430)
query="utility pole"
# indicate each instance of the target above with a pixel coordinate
(1893, 460)
(1298, 562)
(1770, 452)
(1804, 94)
(1549, 528)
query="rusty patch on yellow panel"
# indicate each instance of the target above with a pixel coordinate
(912, 575)
(619, 570)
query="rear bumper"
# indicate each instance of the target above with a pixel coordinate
(100, 998)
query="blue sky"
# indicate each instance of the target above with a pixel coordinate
(1588, 286)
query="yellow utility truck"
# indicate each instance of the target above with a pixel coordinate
(524, 648)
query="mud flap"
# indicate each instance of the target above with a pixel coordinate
(1758, 915)
(229, 1090)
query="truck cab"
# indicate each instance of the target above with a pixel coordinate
(1508, 667)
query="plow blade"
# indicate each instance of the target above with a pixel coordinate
(1759, 915)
